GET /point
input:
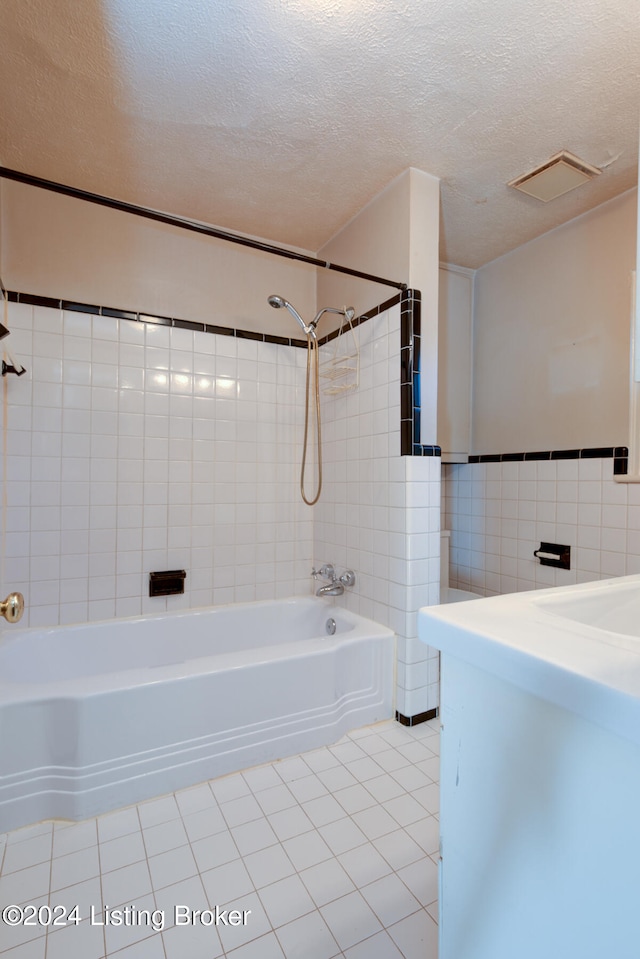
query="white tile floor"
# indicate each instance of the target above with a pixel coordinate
(333, 851)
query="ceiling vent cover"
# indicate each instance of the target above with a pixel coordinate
(563, 172)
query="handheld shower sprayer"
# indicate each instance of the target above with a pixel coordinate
(278, 302)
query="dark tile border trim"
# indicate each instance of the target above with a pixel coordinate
(177, 323)
(410, 395)
(410, 306)
(421, 450)
(33, 300)
(619, 454)
(48, 301)
(410, 398)
(172, 321)
(418, 718)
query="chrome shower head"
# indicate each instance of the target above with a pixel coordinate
(277, 302)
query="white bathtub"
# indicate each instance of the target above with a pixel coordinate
(103, 715)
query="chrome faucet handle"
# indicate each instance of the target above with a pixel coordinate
(327, 571)
(348, 578)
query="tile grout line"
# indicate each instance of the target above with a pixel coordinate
(412, 737)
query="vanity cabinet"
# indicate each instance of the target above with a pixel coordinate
(540, 773)
(540, 829)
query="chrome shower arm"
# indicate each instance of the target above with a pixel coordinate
(347, 312)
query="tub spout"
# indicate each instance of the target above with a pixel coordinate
(336, 585)
(331, 589)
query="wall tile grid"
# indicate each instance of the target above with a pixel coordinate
(133, 447)
(498, 513)
(380, 512)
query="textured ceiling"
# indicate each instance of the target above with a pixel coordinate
(282, 118)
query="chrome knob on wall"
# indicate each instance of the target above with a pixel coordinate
(12, 607)
(327, 571)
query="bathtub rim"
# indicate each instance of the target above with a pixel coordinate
(92, 684)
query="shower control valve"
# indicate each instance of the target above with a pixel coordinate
(335, 585)
(326, 571)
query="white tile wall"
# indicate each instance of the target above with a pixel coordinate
(132, 447)
(380, 512)
(499, 513)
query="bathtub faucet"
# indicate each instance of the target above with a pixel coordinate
(335, 585)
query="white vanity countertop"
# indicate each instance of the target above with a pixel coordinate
(575, 646)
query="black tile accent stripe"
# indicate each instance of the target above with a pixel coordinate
(565, 454)
(188, 325)
(220, 330)
(620, 461)
(48, 301)
(410, 321)
(410, 396)
(410, 373)
(156, 320)
(596, 452)
(599, 451)
(619, 454)
(420, 450)
(486, 458)
(410, 305)
(418, 718)
(79, 307)
(119, 314)
(249, 335)
(542, 455)
(176, 322)
(35, 300)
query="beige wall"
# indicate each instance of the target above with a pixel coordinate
(396, 236)
(455, 306)
(62, 247)
(58, 246)
(423, 276)
(375, 241)
(637, 303)
(551, 337)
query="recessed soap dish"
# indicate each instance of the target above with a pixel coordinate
(168, 582)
